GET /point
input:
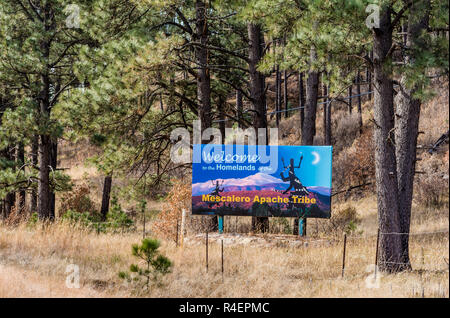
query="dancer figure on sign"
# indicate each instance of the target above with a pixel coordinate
(294, 181)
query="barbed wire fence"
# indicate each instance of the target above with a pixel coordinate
(371, 273)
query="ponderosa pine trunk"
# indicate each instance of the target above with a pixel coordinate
(312, 86)
(239, 107)
(309, 123)
(385, 162)
(34, 161)
(301, 98)
(54, 166)
(45, 142)
(203, 79)
(20, 162)
(285, 94)
(10, 199)
(278, 95)
(407, 123)
(326, 115)
(257, 85)
(203, 73)
(106, 197)
(358, 92)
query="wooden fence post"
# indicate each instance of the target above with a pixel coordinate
(176, 235)
(183, 225)
(207, 250)
(376, 253)
(222, 260)
(343, 254)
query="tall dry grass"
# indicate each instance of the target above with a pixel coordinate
(255, 266)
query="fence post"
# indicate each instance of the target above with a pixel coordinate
(207, 250)
(376, 254)
(183, 224)
(176, 236)
(222, 260)
(343, 254)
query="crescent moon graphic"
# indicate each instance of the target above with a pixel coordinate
(316, 158)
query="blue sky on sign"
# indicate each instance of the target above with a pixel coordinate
(315, 168)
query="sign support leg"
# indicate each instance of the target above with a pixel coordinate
(302, 227)
(220, 217)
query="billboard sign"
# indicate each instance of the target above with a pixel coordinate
(287, 181)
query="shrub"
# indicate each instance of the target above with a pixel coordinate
(178, 198)
(431, 187)
(117, 218)
(343, 220)
(156, 265)
(78, 200)
(355, 165)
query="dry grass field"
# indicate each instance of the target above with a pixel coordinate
(34, 259)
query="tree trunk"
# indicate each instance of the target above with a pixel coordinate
(385, 162)
(369, 77)
(278, 95)
(34, 161)
(44, 193)
(312, 86)
(350, 93)
(20, 162)
(106, 196)
(45, 145)
(53, 164)
(285, 91)
(257, 98)
(301, 99)
(220, 108)
(326, 115)
(328, 128)
(203, 79)
(239, 107)
(10, 199)
(407, 124)
(358, 92)
(203, 74)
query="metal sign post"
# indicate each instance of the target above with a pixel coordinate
(220, 217)
(302, 227)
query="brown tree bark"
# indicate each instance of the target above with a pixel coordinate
(239, 107)
(407, 123)
(54, 166)
(203, 73)
(312, 86)
(326, 115)
(106, 197)
(203, 78)
(257, 98)
(34, 161)
(385, 162)
(285, 94)
(221, 110)
(358, 92)
(10, 199)
(20, 162)
(301, 98)
(278, 95)
(45, 145)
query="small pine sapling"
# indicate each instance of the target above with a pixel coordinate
(156, 264)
